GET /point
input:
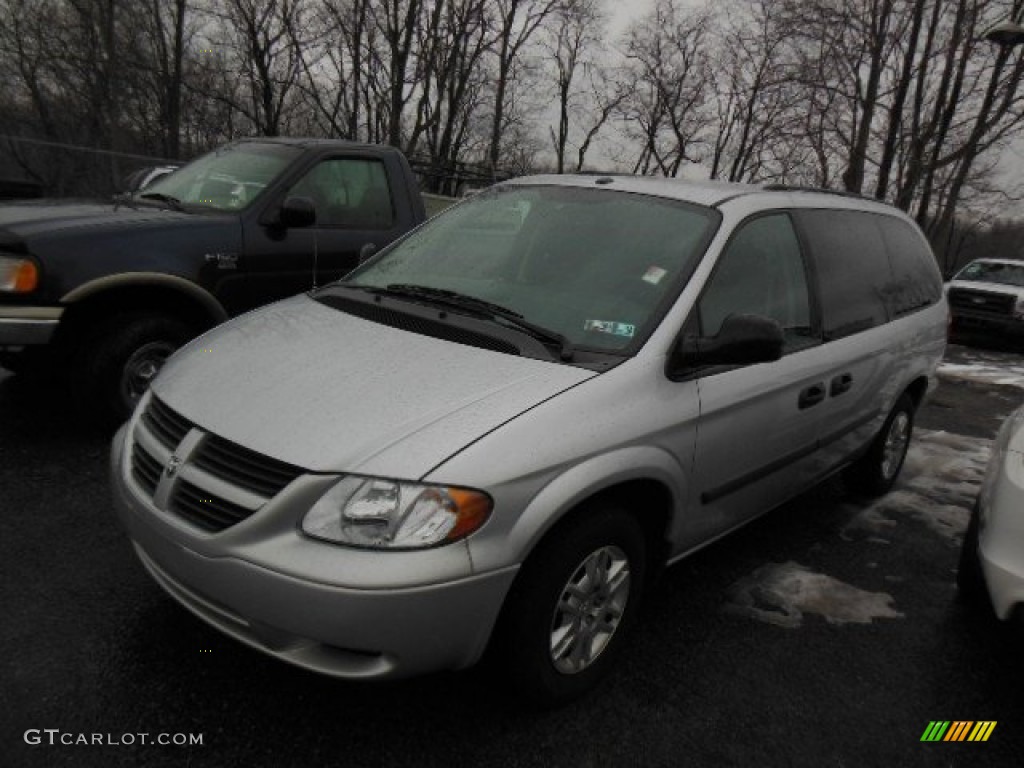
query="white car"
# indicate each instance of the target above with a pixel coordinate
(992, 559)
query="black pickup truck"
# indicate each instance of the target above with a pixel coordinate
(104, 292)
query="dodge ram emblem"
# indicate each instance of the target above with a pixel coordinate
(172, 466)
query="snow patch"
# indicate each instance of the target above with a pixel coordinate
(985, 369)
(781, 593)
(938, 485)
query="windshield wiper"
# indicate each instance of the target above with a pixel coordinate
(171, 200)
(480, 307)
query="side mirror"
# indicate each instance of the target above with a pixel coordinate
(297, 212)
(367, 251)
(742, 340)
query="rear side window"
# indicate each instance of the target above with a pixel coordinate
(348, 193)
(853, 269)
(916, 281)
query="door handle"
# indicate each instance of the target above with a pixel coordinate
(841, 384)
(812, 396)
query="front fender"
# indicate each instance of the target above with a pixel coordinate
(511, 541)
(198, 294)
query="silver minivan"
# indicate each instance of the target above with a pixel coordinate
(494, 433)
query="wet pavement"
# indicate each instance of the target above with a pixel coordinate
(827, 633)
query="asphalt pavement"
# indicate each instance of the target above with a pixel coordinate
(827, 633)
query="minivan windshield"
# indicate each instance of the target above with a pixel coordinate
(595, 267)
(227, 179)
(994, 272)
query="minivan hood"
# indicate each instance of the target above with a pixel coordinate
(321, 389)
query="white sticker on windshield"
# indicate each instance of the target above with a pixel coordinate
(610, 327)
(654, 275)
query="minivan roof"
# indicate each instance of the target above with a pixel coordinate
(708, 193)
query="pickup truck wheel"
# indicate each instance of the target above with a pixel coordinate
(876, 472)
(575, 600)
(35, 363)
(119, 359)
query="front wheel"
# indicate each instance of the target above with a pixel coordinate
(118, 360)
(575, 600)
(876, 472)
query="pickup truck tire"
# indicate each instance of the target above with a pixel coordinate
(33, 363)
(572, 605)
(876, 471)
(117, 360)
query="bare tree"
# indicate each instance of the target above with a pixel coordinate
(517, 21)
(570, 43)
(669, 80)
(265, 57)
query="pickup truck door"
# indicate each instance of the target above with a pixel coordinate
(356, 204)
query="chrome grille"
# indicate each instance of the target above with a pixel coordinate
(167, 426)
(205, 510)
(218, 485)
(981, 301)
(145, 469)
(244, 468)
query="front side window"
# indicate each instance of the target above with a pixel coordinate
(227, 179)
(761, 273)
(594, 265)
(348, 193)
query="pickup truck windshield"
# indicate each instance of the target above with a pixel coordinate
(994, 272)
(227, 179)
(594, 266)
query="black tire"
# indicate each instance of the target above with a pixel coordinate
(969, 578)
(876, 471)
(32, 363)
(117, 358)
(531, 618)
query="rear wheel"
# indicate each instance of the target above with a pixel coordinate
(572, 606)
(118, 360)
(876, 472)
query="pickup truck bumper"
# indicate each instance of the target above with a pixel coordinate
(25, 326)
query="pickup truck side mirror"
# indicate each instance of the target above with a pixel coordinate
(367, 251)
(742, 340)
(297, 212)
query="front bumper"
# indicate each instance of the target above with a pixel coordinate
(28, 326)
(1001, 536)
(343, 629)
(1007, 324)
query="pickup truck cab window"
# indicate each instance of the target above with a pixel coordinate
(348, 193)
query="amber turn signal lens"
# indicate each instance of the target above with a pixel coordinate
(473, 509)
(26, 277)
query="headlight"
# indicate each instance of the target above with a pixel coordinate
(18, 275)
(391, 514)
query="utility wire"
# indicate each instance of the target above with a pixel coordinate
(59, 145)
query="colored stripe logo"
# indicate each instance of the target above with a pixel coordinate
(958, 730)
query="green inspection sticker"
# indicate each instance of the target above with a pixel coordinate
(610, 327)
